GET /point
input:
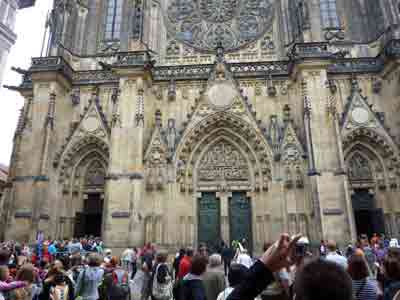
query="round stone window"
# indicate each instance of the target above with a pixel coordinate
(360, 115)
(222, 95)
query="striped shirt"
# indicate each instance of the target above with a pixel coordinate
(365, 289)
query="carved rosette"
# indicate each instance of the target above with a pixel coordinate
(206, 23)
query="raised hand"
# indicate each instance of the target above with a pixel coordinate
(280, 255)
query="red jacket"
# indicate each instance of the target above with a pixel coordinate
(184, 266)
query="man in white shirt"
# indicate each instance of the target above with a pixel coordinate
(334, 256)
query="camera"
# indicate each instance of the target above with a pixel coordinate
(302, 247)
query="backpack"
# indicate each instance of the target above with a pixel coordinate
(119, 288)
(162, 291)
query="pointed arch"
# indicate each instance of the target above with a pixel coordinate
(86, 149)
(246, 139)
(384, 147)
(372, 170)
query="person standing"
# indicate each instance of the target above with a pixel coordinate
(116, 281)
(227, 255)
(364, 288)
(185, 264)
(213, 278)
(177, 261)
(161, 282)
(391, 267)
(126, 258)
(192, 285)
(334, 256)
(89, 279)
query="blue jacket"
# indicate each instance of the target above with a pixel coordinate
(192, 288)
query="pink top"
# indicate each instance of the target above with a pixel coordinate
(5, 287)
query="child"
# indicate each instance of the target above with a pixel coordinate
(4, 285)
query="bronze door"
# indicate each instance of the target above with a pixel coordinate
(209, 227)
(240, 219)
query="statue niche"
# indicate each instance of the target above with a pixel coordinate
(223, 163)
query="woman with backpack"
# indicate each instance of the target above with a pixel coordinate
(161, 280)
(116, 281)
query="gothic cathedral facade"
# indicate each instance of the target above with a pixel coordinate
(179, 121)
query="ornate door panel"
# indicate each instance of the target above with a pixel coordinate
(209, 227)
(240, 218)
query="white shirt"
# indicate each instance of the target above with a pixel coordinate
(245, 260)
(336, 258)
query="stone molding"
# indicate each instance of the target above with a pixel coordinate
(31, 178)
(120, 214)
(118, 176)
(298, 53)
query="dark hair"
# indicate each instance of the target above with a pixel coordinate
(322, 279)
(26, 273)
(357, 267)
(237, 274)
(391, 264)
(75, 261)
(4, 256)
(59, 279)
(189, 251)
(199, 265)
(94, 260)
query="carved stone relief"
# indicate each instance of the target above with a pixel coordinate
(206, 23)
(359, 168)
(95, 174)
(223, 163)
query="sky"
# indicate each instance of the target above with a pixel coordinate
(29, 29)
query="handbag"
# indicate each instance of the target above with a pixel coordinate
(162, 291)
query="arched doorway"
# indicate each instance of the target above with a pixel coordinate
(88, 222)
(222, 178)
(368, 217)
(82, 180)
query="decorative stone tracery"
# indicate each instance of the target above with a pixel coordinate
(207, 23)
(231, 130)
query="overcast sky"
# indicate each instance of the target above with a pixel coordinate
(29, 28)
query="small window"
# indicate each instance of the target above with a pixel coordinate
(329, 14)
(113, 20)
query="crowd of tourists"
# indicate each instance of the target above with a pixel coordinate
(288, 269)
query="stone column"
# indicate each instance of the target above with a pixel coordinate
(225, 226)
(329, 193)
(31, 207)
(123, 219)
